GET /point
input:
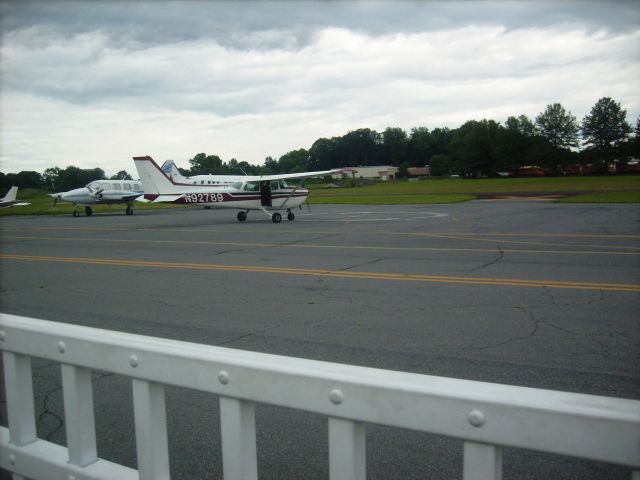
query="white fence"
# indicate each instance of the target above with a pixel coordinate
(486, 416)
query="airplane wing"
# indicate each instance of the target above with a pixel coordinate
(131, 197)
(12, 203)
(287, 176)
(167, 198)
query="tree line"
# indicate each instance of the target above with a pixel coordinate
(553, 141)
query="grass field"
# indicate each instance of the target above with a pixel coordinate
(595, 189)
(390, 199)
(492, 185)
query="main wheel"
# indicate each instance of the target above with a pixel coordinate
(242, 216)
(76, 213)
(129, 211)
(276, 218)
(88, 211)
(291, 217)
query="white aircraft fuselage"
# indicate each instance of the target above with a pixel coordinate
(268, 193)
(105, 192)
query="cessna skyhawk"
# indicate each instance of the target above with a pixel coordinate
(267, 193)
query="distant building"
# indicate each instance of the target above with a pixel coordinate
(383, 173)
(419, 171)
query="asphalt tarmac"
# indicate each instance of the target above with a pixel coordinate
(524, 293)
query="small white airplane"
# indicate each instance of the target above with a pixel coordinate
(9, 200)
(171, 170)
(103, 192)
(262, 192)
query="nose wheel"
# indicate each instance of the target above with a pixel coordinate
(276, 218)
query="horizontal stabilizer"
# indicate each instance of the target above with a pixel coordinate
(167, 198)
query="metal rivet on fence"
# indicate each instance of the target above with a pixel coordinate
(2, 336)
(336, 396)
(223, 377)
(12, 459)
(133, 361)
(476, 418)
(62, 347)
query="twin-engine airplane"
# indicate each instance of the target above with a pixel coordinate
(101, 192)
(9, 200)
(267, 193)
(171, 170)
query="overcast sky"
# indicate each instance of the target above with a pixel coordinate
(92, 84)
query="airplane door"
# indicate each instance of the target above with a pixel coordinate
(265, 194)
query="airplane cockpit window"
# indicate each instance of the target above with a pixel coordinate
(237, 185)
(94, 187)
(250, 187)
(283, 184)
(275, 185)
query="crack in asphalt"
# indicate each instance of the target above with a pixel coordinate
(47, 411)
(370, 262)
(495, 260)
(536, 326)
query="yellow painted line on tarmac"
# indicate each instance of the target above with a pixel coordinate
(520, 242)
(507, 282)
(319, 246)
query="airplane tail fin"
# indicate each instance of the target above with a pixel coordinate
(154, 181)
(171, 170)
(11, 195)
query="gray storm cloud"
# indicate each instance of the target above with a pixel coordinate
(261, 78)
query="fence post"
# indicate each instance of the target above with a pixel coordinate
(482, 461)
(238, 428)
(151, 430)
(78, 415)
(19, 383)
(347, 449)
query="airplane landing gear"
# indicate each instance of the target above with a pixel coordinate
(76, 213)
(242, 216)
(276, 218)
(129, 210)
(88, 211)
(290, 216)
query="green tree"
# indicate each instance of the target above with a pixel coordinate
(121, 175)
(605, 128)
(294, 161)
(472, 148)
(522, 125)
(74, 177)
(558, 126)
(50, 178)
(323, 155)
(203, 164)
(394, 145)
(360, 148)
(441, 165)
(420, 146)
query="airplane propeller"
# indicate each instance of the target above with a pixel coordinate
(98, 193)
(56, 197)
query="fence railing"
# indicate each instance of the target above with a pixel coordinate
(486, 416)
